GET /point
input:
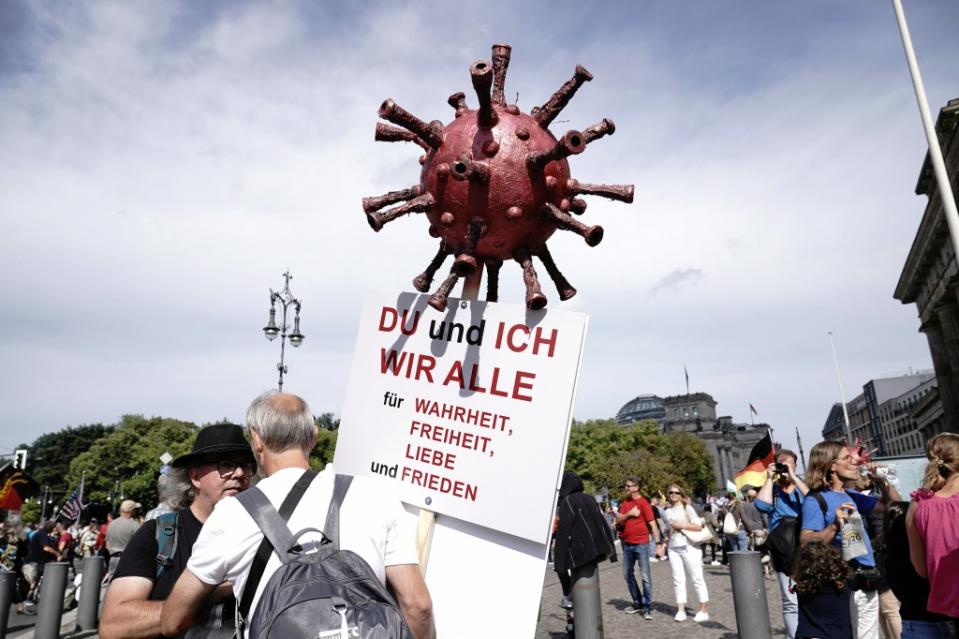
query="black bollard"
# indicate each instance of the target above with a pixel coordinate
(587, 603)
(8, 581)
(52, 588)
(89, 607)
(749, 595)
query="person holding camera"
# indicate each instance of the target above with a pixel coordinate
(781, 498)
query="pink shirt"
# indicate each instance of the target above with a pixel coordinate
(937, 521)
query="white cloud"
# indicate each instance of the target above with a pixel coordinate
(161, 167)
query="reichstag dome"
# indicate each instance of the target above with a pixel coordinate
(642, 407)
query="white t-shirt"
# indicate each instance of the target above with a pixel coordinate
(680, 514)
(373, 524)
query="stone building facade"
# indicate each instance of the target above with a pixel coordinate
(728, 443)
(902, 434)
(835, 426)
(930, 276)
(881, 416)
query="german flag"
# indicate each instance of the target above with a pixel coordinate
(754, 474)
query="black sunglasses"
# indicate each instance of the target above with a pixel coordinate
(227, 468)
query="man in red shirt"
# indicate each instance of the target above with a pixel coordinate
(635, 522)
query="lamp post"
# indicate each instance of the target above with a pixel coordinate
(271, 330)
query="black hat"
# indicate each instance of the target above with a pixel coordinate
(215, 441)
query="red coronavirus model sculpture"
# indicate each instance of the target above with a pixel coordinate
(495, 183)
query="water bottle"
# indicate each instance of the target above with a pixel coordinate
(883, 472)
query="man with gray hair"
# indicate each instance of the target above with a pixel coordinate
(373, 524)
(167, 493)
(220, 465)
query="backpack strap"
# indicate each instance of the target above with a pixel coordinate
(266, 548)
(822, 503)
(272, 526)
(332, 528)
(166, 535)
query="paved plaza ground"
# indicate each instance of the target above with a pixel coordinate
(615, 598)
(619, 625)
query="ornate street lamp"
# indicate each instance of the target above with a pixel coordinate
(271, 330)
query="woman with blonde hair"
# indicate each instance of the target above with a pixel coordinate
(932, 524)
(685, 557)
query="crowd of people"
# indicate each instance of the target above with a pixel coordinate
(190, 564)
(28, 548)
(852, 558)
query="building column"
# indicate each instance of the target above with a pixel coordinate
(946, 377)
(718, 470)
(729, 466)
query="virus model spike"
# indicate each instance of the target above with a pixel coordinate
(570, 144)
(598, 130)
(577, 205)
(592, 234)
(371, 204)
(421, 204)
(466, 168)
(387, 133)
(501, 53)
(458, 102)
(621, 192)
(482, 75)
(495, 183)
(492, 281)
(439, 299)
(422, 281)
(558, 101)
(535, 300)
(563, 287)
(431, 133)
(465, 262)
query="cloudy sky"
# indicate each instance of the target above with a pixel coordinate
(162, 164)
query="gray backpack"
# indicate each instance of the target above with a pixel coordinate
(327, 593)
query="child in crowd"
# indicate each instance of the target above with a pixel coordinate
(822, 584)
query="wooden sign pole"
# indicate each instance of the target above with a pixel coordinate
(427, 518)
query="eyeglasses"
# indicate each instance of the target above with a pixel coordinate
(630, 485)
(673, 492)
(227, 468)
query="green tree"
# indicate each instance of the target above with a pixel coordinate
(322, 453)
(604, 453)
(327, 421)
(30, 512)
(128, 458)
(49, 456)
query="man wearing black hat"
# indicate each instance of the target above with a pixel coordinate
(220, 465)
(373, 525)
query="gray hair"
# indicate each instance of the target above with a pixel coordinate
(282, 421)
(178, 491)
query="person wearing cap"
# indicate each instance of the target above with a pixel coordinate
(120, 531)
(221, 464)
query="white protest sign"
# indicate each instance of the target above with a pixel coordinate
(467, 410)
